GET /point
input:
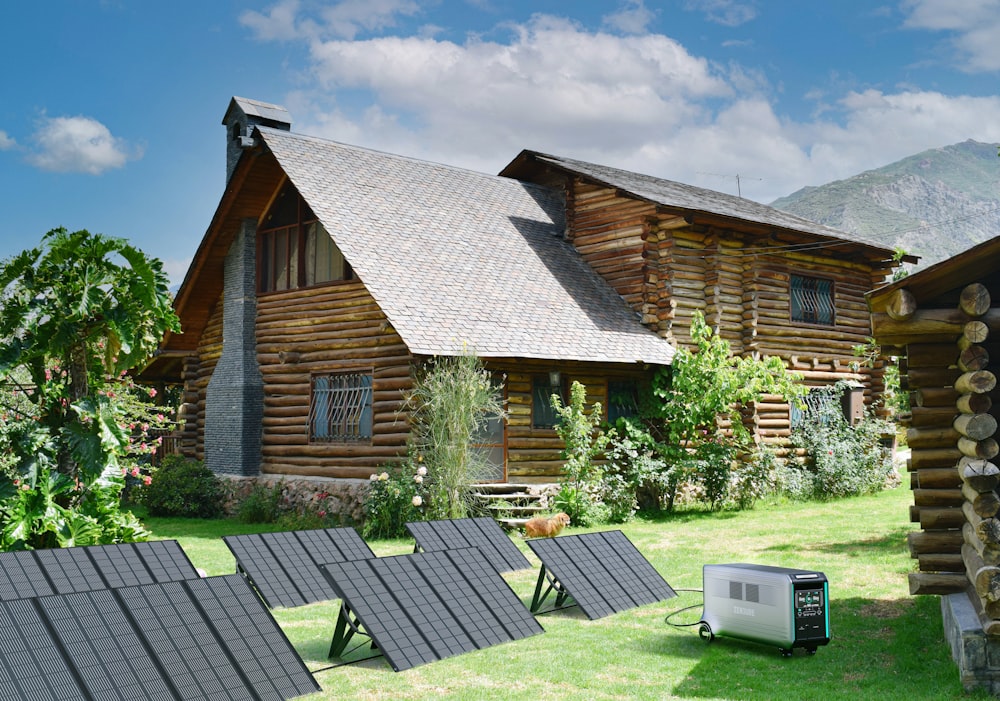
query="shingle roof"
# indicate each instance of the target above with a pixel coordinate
(688, 197)
(457, 257)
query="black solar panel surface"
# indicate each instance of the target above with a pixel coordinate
(427, 606)
(483, 533)
(103, 647)
(603, 572)
(31, 665)
(253, 638)
(284, 566)
(21, 576)
(34, 573)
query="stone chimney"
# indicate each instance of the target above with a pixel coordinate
(241, 117)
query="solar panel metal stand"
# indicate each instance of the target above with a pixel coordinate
(347, 627)
(554, 585)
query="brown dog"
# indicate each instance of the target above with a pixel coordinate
(539, 527)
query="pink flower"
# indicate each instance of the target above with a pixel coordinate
(322, 514)
(147, 480)
(25, 488)
(152, 391)
(135, 472)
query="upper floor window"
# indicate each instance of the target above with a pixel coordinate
(294, 250)
(811, 300)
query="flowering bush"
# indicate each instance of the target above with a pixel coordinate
(841, 460)
(395, 497)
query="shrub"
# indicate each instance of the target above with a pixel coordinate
(395, 497)
(581, 493)
(841, 460)
(183, 487)
(261, 505)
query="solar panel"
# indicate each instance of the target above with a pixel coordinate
(427, 606)
(603, 572)
(483, 533)
(194, 639)
(284, 567)
(34, 573)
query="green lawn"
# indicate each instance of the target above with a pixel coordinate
(886, 644)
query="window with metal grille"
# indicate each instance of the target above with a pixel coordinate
(811, 300)
(340, 409)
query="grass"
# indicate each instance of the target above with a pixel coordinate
(886, 644)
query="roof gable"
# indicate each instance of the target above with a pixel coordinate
(679, 196)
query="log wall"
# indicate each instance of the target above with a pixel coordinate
(667, 267)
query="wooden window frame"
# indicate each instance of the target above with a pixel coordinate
(354, 402)
(563, 394)
(832, 299)
(296, 268)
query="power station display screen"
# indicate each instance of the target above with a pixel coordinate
(809, 602)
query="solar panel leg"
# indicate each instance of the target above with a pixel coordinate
(553, 585)
(346, 628)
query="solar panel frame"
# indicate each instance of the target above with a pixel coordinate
(284, 567)
(480, 532)
(603, 572)
(423, 607)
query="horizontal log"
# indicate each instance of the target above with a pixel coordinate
(918, 438)
(973, 358)
(939, 497)
(926, 325)
(974, 403)
(984, 504)
(924, 542)
(985, 449)
(975, 427)
(922, 417)
(981, 475)
(902, 305)
(934, 396)
(931, 355)
(940, 376)
(933, 457)
(942, 518)
(974, 299)
(927, 583)
(936, 478)
(941, 562)
(977, 382)
(973, 332)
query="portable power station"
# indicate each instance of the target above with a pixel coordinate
(771, 605)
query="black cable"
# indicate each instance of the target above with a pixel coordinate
(669, 616)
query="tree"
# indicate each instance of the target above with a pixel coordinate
(704, 388)
(78, 312)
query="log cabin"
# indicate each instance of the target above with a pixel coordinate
(330, 272)
(942, 324)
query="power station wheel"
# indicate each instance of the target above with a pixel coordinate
(705, 632)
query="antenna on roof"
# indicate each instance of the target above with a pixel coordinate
(739, 191)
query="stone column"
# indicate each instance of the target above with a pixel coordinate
(234, 401)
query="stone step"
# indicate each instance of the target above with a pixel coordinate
(516, 508)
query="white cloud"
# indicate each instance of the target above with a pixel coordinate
(731, 13)
(342, 20)
(6, 142)
(77, 145)
(278, 24)
(633, 18)
(643, 102)
(975, 25)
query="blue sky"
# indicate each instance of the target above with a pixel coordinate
(110, 110)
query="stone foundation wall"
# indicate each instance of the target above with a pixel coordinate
(339, 497)
(976, 654)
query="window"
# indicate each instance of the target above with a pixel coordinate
(294, 248)
(340, 408)
(542, 389)
(811, 300)
(623, 399)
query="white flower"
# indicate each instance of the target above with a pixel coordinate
(383, 477)
(373, 477)
(417, 501)
(418, 478)
(421, 470)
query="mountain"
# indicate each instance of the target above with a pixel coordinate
(934, 204)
